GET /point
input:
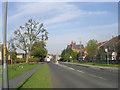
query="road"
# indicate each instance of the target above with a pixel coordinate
(76, 76)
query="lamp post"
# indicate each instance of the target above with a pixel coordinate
(5, 65)
(106, 50)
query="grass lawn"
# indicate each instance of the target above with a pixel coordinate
(98, 64)
(41, 79)
(18, 69)
(0, 74)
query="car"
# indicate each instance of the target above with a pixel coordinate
(48, 60)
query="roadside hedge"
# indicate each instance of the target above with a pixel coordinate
(21, 60)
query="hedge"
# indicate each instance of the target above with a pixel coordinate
(17, 60)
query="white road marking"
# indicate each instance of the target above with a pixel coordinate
(80, 71)
(97, 76)
(102, 78)
(71, 68)
(65, 66)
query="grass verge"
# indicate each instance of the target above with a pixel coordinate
(41, 79)
(98, 64)
(0, 74)
(15, 70)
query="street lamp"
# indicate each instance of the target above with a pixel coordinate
(106, 50)
(5, 65)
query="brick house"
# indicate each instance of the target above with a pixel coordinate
(79, 48)
(112, 46)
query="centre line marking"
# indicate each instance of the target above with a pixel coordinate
(71, 68)
(80, 71)
(96, 76)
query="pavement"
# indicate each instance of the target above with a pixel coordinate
(13, 83)
(75, 76)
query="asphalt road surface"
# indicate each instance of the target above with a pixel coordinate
(76, 76)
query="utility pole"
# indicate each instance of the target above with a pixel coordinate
(5, 63)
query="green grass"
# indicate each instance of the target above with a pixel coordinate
(0, 74)
(98, 64)
(41, 79)
(18, 69)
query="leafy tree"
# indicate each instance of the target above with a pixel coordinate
(67, 53)
(38, 44)
(26, 35)
(91, 48)
(39, 53)
(101, 52)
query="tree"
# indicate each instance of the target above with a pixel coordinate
(12, 49)
(39, 53)
(38, 50)
(26, 35)
(66, 53)
(91, 48)
(101, 54)
(38, 44)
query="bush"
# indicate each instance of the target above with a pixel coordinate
(33, 59)
(39, 52)
(22, 60)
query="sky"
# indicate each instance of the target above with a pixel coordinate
(65, 21)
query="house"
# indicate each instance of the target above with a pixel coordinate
(58, 57)
(20, 55)
(79, 48)
(112, 49)
(76, 47)
(1, 51)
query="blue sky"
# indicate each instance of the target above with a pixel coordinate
(66, 21)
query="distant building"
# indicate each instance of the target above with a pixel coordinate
(58, 57)
(79, 48)
(49, 56)
(1, 55)
(76, 47)
(111, 46)
(20, 55)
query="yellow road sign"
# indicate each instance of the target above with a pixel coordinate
(5, 50)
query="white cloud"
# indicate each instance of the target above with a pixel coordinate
(71, 15)
(58, 12)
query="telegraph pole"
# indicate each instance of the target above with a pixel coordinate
(5, 63)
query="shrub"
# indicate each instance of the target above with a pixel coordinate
(33, 59)
(22, 60)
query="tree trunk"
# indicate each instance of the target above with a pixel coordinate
(29, 52)
(27, 57)
(11, 61)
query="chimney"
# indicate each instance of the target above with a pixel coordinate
(72, 45)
